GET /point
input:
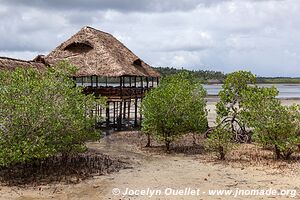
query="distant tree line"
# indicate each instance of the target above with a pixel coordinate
(211, 76)
(203, 75)
(271, 80)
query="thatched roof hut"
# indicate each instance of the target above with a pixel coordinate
(11, 64)
(97, 53)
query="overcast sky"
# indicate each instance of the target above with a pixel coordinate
(262, 36)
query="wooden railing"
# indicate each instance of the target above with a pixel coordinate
(116, 91)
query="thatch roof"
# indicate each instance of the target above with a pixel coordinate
(99, 53)
(11, 64)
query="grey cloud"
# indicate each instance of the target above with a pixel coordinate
(188, 41)
(82, 18)
(124, 5)
(261, 36)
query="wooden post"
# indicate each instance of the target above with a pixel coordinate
(100, 111)
(135, 81)
(147, 82)
(117, 114)
(135, 112)
(142, 84)
(141, 116)
(152, 81)
(107, 115)
(121, 87)
(124, 110)
(114, 120)
(96, 113)
(120, 117)
(128, 114)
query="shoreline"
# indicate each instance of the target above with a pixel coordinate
(211, 102)
(211, 96)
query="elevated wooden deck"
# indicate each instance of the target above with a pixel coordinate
(124, 99)
(115, 93)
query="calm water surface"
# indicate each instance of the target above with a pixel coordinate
(285, 90)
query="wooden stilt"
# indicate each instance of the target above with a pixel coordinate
(141, 116)
(117, 114)
(120, 117)
(134, 81)
(96, 114)
(114, 120)
(147, 82)
(107, 115)
(124, 110)
(128, 113)
(152, 79)
(135, 112)
(121, 86)
(100, 112)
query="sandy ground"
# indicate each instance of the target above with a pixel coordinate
(187, 167)
(211, 110)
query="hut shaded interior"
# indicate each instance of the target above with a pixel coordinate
(107, 68)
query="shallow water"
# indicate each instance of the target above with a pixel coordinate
(285, 90)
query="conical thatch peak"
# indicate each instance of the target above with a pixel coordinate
(99, 53)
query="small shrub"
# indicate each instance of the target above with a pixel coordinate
(220, 141)
(175, 107)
